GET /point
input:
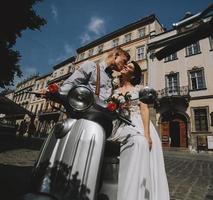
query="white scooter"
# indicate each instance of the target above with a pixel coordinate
(74, 161)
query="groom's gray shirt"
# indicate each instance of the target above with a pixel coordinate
(87, 75)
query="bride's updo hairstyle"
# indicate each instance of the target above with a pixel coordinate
(136, 74)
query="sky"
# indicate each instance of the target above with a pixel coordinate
(72, 24)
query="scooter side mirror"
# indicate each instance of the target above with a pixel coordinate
(148, 95)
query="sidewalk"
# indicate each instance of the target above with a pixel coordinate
(203, 156)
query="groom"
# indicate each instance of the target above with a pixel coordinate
(87, 73)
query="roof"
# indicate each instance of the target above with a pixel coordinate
(44, 76)
(69, 60)
(9, 107)
(182, 39)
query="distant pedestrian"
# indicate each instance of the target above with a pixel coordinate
(32, 128)
(22, 128)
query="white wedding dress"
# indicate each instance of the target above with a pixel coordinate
(141, 172)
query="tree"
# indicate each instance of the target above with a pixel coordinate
(15, 17)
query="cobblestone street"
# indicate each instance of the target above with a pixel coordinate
(190, 176)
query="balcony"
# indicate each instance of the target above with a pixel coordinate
(173, 98)
(173, 91)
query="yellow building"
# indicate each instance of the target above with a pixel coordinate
(133, 38)
(47, 116)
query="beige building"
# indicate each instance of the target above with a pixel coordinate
(38, 105)
(20, 96)
(185, 85)
(132, 38)
(47, 116)
(62, 71)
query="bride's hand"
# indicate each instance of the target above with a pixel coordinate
(149, 140)
(125, 105)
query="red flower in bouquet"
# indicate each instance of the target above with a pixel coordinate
(112, 106)
(118, 102)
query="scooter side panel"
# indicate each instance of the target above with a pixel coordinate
(71, 165)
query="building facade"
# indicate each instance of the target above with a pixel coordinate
(133, 38)
(38, 105)
(21, 97)
(185, 87)
(48, 112)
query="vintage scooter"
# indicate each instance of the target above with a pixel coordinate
(70, 165)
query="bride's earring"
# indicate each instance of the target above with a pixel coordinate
(116, 79)
(116, 82)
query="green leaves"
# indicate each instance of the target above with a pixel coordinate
(15, 17)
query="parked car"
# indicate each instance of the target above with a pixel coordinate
(7, 128)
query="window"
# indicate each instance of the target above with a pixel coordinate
(82, 56)
(37, 86)
(140, 53)
(71, 68)
(36, 109)
(100, 48)
(211, 114)
(141, 32)
(197, 80)
(41, 107)
(172, 84)
(193, 49)
(211, 42)
(62, 71)
(127, 38)
(54, 74)
(115, 42)
(18, 98)
(25, 96)
(171, 57)
(91, 52)
(200, 119)
(22, 95)
(143, 78)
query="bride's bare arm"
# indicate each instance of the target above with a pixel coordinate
(145, 116)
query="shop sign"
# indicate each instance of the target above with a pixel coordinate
(210, 141)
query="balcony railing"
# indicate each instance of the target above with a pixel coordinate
(173, 91)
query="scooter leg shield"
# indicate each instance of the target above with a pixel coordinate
(69, 168)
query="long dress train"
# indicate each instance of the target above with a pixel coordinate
(142, 173)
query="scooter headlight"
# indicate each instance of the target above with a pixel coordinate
(80, 98)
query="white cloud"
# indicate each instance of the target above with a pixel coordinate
(94, 29)
(85, 38)
(97, 25)
(56, 60)
(68, 49)
(54, 11)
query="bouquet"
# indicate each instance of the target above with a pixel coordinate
(118, 102)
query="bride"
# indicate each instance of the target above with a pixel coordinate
(141, 172)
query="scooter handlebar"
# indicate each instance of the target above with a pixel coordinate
(125, 120)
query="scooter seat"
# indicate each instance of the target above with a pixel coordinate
(112, 149)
